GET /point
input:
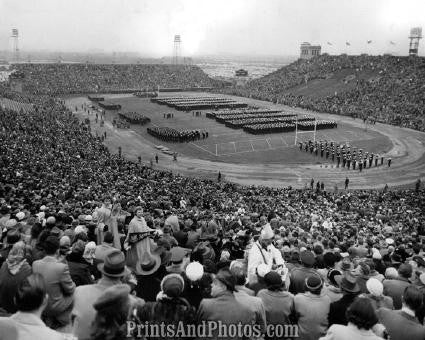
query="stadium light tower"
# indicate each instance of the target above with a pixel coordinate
(177, 49)
(15, 44)
(415, 36)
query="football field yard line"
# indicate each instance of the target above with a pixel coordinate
(252, 146)
(268, 143)
(284, 141)
(200, 147)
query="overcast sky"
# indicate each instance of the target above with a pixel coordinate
(238, 27)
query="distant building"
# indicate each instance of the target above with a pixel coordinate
(309, 51)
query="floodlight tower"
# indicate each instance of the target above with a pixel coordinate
(415, 36)
(177, 49)
(15, 44)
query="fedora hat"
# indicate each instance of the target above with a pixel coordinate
(114, 264)
(149, 262)
(348, 283)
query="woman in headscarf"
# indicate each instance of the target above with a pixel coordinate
(13, 271)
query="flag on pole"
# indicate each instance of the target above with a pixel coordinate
(369, 41)
(392, 42)
(329, 43)
(347, 43)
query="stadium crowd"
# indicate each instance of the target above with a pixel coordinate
(56, 79)
(386, 89)
(91, 240)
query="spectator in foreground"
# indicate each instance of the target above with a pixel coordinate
(31, 300)
(12, 273)
(223, 305)
(59, 285)
(311, 309)
(113, 308)
(403, 324)
(361, 318)
(113, 270)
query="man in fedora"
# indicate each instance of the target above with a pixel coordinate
(350, 290)
(263, 251)
(223, 305)
(113, 270)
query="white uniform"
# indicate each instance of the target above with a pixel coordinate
(258, 255)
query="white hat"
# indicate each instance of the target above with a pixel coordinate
(43, 207)
(389, 241)
(262, 269)
(51, 220)
(194, 271)
(20, 215)
(267, 232)
(374, 286)
(376, 255)
(88, 218)
(80, 229)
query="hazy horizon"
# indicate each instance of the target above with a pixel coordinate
(211, 28)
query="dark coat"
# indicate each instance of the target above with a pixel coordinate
(226, 309)
(148, 286)
(79, 269)
(9, 284)
(395, 288)
(400, 325)
(338, 308)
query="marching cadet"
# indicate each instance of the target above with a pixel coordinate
(360, 166)
(343, 161)
(389, 162)
(333, 156)
(365, 162)
(354, 164)
(338, 159)
(376, 160)
(382, 160)
(301, 145)
(370, 160)
(348, 162)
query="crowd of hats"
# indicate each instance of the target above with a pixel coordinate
(184, 103)
(172, 135)
(57, 79)
(135, 118)
(55, 174)
(392, 96)
(343, 154)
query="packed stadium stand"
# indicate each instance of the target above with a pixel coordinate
(91, 240)
(386, 89)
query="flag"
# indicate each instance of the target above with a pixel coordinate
(347, 43)
(392, 42)
(329, 43)
(369, 41)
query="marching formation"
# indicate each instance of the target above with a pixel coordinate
(172, 135)
(344, 155)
